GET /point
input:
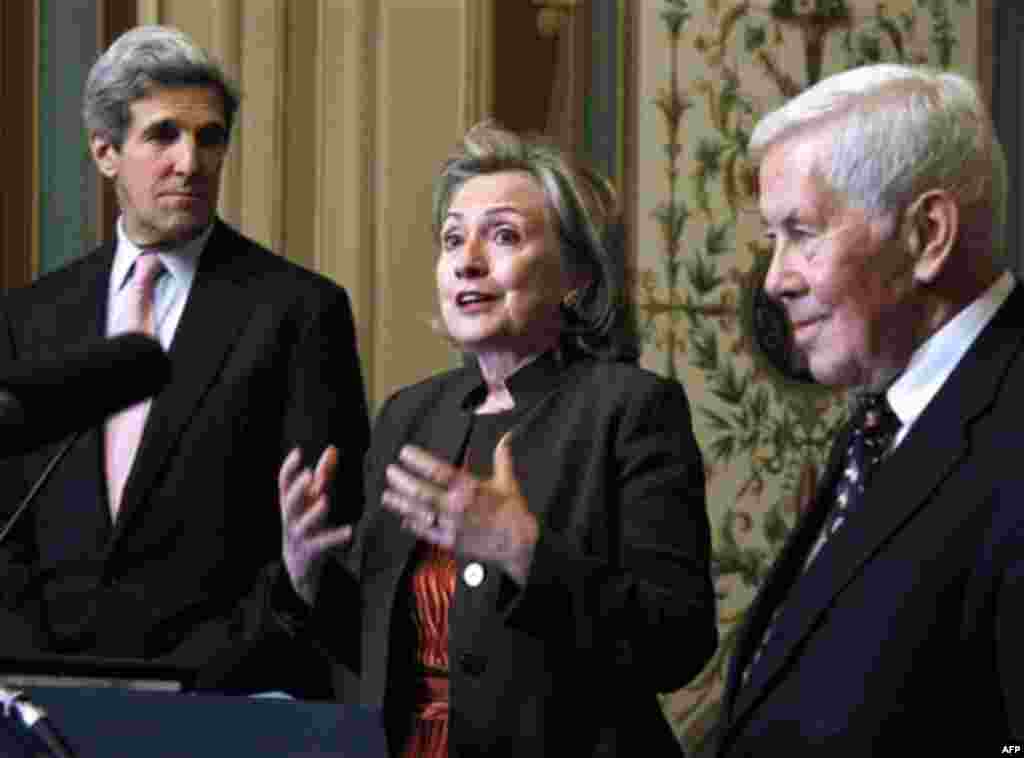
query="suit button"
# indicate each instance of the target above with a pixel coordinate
(472, 664)
(474, 574)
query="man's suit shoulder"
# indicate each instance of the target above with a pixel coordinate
(50, 288)
(227, 249)
(247, 258)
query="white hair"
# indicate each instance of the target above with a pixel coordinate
(896, 131)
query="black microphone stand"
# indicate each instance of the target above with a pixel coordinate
(14, 702)
(35, 718)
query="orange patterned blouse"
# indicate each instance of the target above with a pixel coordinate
(433, 588)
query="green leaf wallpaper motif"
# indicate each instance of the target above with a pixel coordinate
(764, 431)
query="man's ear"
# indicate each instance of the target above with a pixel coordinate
(932, 228)
(105, 155)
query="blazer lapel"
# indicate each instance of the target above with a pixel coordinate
(441, 431)
(786, 570)
(933, 449)
(210, 326)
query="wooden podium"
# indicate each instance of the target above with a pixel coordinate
(105, 722)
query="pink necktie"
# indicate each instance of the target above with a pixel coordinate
(134, 313)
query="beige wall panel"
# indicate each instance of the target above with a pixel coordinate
(340, 173)
(419, 120)
(224, 42)
(196, 18)
(260, 149)
(299, 139)
(150, 11)
(477, 95)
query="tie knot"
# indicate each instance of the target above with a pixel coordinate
(148, 267)
(877, 417)
(134, 304)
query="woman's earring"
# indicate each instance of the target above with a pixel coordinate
(571, 299)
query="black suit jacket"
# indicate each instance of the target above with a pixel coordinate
(263, 359)
(618, 605)
(907, 628)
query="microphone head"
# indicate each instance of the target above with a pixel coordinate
(43, 401)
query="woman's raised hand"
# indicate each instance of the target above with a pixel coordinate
(308, 538)
(486, 519)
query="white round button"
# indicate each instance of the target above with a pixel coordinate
(473, 574)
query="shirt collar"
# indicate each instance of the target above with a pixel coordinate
(530, 382)
(181, 261)
(933, 362)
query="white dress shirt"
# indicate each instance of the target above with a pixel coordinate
(933, 362)
(172, 288)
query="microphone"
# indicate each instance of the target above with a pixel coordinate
(44, 401)
(37, 721)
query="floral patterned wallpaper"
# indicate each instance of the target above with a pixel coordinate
(706, 71)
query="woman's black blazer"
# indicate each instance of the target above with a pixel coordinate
(618, 605)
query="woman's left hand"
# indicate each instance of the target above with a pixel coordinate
(483, 518)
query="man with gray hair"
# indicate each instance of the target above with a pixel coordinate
(154, 529)
(894, 614)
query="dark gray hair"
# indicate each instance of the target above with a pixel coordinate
(896, 131)
(601, 321)
(140, 60)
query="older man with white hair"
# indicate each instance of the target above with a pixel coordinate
(893, 615)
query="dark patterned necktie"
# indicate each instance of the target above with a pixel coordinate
(875, 427)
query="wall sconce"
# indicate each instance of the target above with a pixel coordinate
(553, 15)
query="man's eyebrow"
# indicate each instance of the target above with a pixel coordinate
(160, 123)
